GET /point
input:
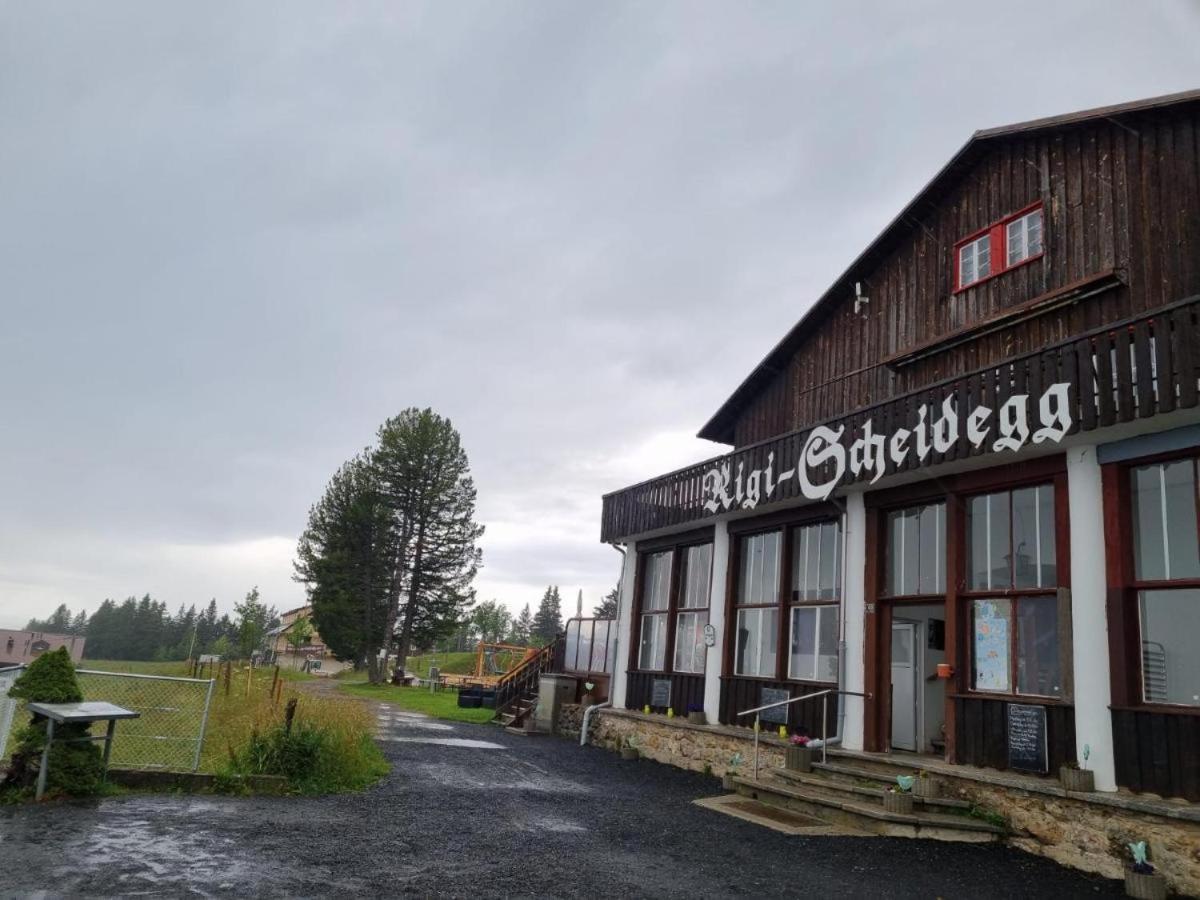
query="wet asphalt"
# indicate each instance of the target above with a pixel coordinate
(475, 811)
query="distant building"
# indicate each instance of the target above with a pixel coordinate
(23, 647)
(314, 650)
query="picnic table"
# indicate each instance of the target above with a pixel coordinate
(77, 714)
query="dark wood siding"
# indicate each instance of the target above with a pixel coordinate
(686, 690)
(738, 694)
(1158, 752)
(1118, 196)
(981, 733)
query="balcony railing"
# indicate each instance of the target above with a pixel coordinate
(1132, 369)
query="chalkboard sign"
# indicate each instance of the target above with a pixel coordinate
(778, 715)
(660, 692)
(1027, 738)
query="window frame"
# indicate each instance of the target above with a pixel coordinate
(786, 523)
(1013, 594)
(1135, 586)
(997, 234)
(681, 610)
(678, 546)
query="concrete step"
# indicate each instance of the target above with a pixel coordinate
(852, 785)
(846, 809)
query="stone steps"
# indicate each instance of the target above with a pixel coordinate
(842, 804)
(841, 779)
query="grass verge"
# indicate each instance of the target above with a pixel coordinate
(439, 704)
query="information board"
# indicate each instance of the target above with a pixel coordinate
(660, 692)
(1027, 738)
(778, 715)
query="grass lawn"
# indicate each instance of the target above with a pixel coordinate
(440, 704)
(448, 663)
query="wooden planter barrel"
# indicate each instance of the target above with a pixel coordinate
(1082, 780)
(798, 759)
(1145, 885)
(899, 802)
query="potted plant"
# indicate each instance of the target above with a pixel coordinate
(588, 698)
(695, 713)
(899, 799)
(629, 749)
(798, 757)
(1076, 777)
(927, 786)
(1141, 879)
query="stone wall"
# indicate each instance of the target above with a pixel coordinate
(1086, 834)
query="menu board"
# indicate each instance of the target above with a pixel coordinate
(778, 715)
(660, 692)
(1027, 738)
(992, 618)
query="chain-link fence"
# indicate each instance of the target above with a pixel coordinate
(168, 735)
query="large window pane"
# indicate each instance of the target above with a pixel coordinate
(816, 562)
(989, 562)
(1033, 536)
(827, 644)
(758, 580)
(689, 642)
(1170, 660)
(1165, 542)
(916, 544)
(1037, 647)
(697, 564)
(803, 660)
(657, 585)
(571, 646)
(653, 650)
(757, 637)
(991, 622)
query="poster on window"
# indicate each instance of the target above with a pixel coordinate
(991, 645)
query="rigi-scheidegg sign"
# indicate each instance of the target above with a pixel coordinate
(869, 453)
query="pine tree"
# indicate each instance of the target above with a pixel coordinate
(425, 479)
(607, 608)
(522, 627)
(547, 622)
(254, 618)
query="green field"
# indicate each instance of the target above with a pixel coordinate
(439, 704)
(448, 663)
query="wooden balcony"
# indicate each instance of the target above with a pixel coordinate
(1135, 368)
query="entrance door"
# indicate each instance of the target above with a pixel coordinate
(904, 685)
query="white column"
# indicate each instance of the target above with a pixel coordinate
(853, 618)
(620, 661)
(716, 618)
(1089, 624)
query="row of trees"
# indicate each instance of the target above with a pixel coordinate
(145, 630)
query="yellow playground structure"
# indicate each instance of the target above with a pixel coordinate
(495, 660)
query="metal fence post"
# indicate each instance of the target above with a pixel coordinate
(203, 725)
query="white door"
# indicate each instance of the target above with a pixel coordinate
(904, 686)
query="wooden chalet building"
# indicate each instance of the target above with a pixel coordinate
(963, 489)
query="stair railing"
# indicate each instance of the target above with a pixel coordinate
(824, 695)
(516, 682)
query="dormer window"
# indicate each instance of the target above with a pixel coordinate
(1001, 246)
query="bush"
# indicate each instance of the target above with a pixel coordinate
(76, 764)
(315, 757)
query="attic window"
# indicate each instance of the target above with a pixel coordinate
(1003, 245)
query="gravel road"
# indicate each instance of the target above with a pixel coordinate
(473, 811)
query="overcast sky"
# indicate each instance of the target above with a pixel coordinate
(234, 239)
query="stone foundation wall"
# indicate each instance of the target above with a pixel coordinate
(1090, 836)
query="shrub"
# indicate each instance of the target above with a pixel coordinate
(76, 765)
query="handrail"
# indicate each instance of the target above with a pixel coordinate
(824, 694)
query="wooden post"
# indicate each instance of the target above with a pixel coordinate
(275, 680)
(289, 715)
(228, 677)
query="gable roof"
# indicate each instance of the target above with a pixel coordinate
(720, 427)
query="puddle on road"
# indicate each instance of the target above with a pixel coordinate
(555, 824)
(500, 775)
(422, 726)
(446, 742)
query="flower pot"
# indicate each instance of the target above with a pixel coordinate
(697, 717)
(945, 670)
(798, 759)
(899, 802)
(927, 787)
(1083, 780)
(1145, 885)
(629, 753)
(727, 781)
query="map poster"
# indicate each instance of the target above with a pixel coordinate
(992, 665)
